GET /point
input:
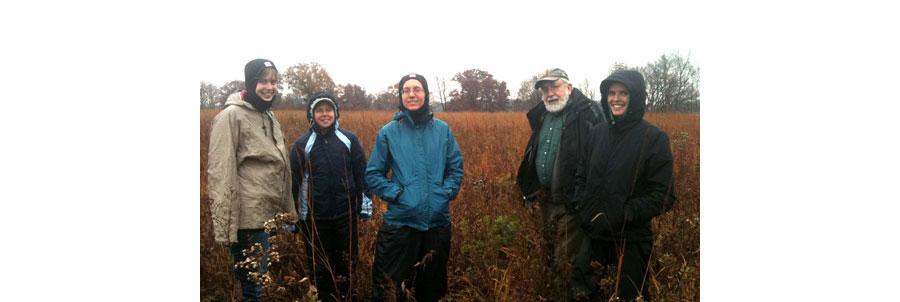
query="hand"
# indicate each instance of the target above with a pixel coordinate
(366, 212)
(533, 198)
(609, 220)
(291, 227)
(297, 226)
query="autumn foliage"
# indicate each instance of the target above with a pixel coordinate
(496, 249)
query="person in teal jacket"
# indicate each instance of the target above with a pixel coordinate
(426, 165)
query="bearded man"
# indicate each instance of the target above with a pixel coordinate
(546, 175)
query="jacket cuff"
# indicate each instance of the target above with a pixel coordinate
(451, 194)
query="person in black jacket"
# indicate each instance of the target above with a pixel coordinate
(627, 180)
(328, 166)
(546, 174)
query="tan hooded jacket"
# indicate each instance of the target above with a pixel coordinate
(249, 170)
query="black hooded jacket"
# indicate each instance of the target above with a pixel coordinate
(581, 114)
(336, 173)
(628, 176)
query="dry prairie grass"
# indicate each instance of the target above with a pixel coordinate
(496, 247)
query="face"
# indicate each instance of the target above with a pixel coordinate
(617, 98)
(413, 95)
(267, 86)
(323, 114)
(555, 94)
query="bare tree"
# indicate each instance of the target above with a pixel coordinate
(618, 65)
(226, 90)
(672, 84)
(441, 83)
(586, 89)
(387, 99)
(527, 96)
(208, 95)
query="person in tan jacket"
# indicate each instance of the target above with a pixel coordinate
(249, 169)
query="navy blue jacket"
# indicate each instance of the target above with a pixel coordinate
(335, 173)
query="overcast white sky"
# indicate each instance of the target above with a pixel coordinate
(373, 44)
(798, 123)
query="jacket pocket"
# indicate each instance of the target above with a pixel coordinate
(401, 208)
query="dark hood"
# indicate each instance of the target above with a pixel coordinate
(424, 113)
(637, 96)
(312, 102)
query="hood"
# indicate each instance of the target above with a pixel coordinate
(322, 97)
(237, 99)
(423, 114)
(637, 95)
(423, 81)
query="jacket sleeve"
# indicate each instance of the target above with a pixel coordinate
(525, 176)
(298, 160)
(584, 156)
(223, 177)
(453, 169)
(358, 157)
(656, 194)
(377, 169)
(289, 204)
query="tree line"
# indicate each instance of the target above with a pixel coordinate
(672, 85)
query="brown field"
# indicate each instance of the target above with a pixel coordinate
(496, 251)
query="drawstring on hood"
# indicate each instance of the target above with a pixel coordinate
(252, 72)
(637, 97)
(424, 113)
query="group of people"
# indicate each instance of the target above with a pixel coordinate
(599, 174)
(325, 179)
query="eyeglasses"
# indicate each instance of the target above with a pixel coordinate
(417, 90)
(547, 89)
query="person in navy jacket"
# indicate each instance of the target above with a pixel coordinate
(328, 166)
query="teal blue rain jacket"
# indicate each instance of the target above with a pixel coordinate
(426, 165)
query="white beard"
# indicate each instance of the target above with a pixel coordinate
(558, 105)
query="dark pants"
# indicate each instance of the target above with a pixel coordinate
(563, 237)
(250, 290)
(334, 242)
(633, 278)
(413, 257)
